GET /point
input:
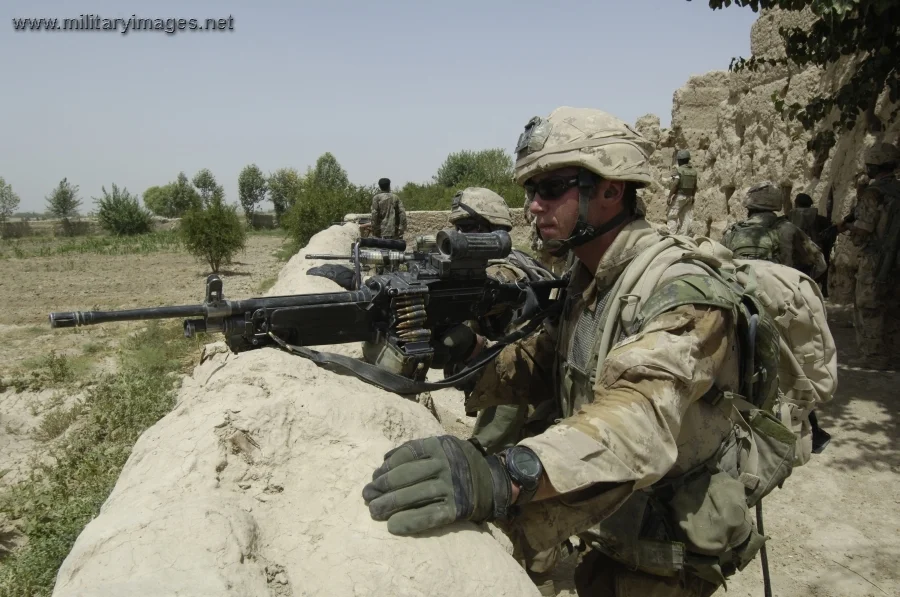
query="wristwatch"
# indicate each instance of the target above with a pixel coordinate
(525, 470)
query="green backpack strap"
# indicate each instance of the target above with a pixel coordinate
(691, 289)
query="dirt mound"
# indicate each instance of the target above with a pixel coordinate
(252, 486)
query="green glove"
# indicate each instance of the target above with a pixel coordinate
(428, 483)
(454, 346)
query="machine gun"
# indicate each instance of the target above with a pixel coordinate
(396, 315)
(381, 252)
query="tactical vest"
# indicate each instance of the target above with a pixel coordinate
(687, 179)
(756, 238)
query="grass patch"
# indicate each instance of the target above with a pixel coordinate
(56, 422)
(140, 244)
(266, 284)
(54, 504)
(287, 250)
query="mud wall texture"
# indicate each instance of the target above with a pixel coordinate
(736, 139)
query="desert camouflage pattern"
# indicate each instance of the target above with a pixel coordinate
(592, 139)
(877, 305)
(765, 195)
(388, 216)
(680, 213)
(793, 247)
(642, 420)
(882, 153)
(483, 202)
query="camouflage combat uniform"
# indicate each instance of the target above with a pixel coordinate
(641, 422)
(680, 208)
(388, 216)
(765, 235)
(877, 299)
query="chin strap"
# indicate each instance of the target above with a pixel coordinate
(583, 231)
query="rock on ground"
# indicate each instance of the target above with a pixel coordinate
(252, 486)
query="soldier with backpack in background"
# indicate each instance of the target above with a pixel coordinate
(765, 235)
(683, 184)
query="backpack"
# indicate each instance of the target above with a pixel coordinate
(755, 238)
(788, 355)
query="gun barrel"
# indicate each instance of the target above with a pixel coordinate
(71, 319)
(327, 257)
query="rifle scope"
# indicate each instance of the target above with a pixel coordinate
(474, 245)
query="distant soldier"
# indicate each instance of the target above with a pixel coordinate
(683, 187)
(388, 213)
(876, 230)
(806, 217)
(766, 235)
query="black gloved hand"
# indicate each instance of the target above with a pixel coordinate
(428, 483)
(454, 346)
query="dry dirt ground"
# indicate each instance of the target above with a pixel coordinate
(834, 526)
(31, 288)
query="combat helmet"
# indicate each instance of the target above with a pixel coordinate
(595, 141)
(882, 154)
(480, 203)
(765, 196)
(683, 154)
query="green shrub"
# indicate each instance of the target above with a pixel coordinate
(318, 206)
(120, 213)
(213, 233)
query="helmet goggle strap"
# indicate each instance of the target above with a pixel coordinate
(584, 232)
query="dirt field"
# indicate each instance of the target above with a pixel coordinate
(834, 527)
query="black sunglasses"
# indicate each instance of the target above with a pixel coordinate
(550, 188)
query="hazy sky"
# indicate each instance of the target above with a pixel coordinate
(389, 87)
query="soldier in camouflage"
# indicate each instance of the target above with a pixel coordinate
(806, 217)
(683, 186)
(388, 213)
(876, 231)
(630, 430)
(765, 235)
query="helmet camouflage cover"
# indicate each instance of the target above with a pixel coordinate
(683, 154)
(765, 195)
(477, 201)
(882, 153)
(587, 138)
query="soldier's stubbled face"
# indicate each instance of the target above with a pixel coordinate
(556, 218)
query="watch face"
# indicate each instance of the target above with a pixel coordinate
(526, 463)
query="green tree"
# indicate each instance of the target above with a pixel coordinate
(328, 174)
(326, 195)
(285, 185)
(475, 168)
(121, 213)
(174, 199)
(9, 201)
(158, 200)
(210, 191)
(252, 189)
(214, 232)
(866, 29)
(63, 203)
